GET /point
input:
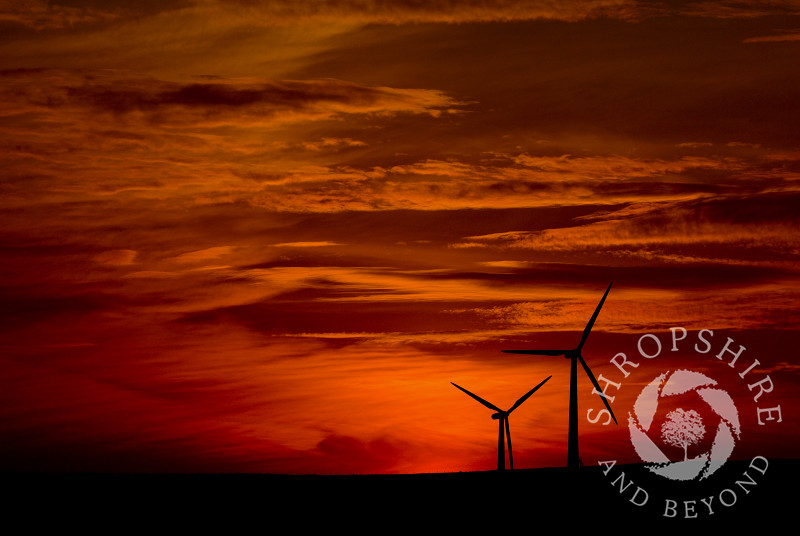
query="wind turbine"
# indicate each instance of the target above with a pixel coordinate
(502, 418)
(574, 355)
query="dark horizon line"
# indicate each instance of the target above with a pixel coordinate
(67, 473)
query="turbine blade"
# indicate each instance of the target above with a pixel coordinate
(524, 397)
(596, 386)
(588, 327)
(508, 440)
(536, 352)
(479, 399)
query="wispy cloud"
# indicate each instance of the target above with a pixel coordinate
(782, 366)
(245, 102)
(724, 9)
(500, 181)
(786, 35)
(47, 15)
(110, 134)
(654, 224)
(203, 255)
(116, 257)
(404, 11)
(306, 244)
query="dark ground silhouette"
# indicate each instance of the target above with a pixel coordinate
(524, 499)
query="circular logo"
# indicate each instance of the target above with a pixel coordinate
(683, 428)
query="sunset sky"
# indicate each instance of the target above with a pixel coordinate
(249, 236)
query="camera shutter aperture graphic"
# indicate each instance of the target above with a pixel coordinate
(683, 427)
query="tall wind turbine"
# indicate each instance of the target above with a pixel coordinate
(574, 355)
(502, 418)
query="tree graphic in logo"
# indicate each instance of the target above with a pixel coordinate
(683, 428)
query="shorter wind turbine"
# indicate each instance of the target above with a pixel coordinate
(502, 418)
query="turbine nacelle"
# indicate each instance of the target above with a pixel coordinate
(501, 415)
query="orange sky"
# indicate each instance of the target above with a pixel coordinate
(266, 236)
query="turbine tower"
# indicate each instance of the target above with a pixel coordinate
(574, 355)
(502, 418)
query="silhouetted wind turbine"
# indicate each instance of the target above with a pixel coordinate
(574, 355)
(502, 417)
